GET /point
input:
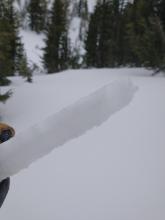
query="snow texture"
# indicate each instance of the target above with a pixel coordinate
(33, 43)
(67, 124)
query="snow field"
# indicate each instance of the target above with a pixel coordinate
(69, 123)
(114, 171)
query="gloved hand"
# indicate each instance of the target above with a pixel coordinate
(6, 132)
(4, 188)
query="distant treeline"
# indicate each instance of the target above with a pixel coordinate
(118, 33)
(127, 34)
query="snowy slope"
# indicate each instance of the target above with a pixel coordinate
(63, 126)
(115, 171)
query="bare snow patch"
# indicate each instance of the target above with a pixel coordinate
(33, 43)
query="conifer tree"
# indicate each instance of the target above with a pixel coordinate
(118, 17)
(104, 37)
(22, 65)
(91, 43)
(8, 39)
(83, 9)
(145, 35)
(5, 96)
(37, 10)
(74, 9)
(25, 70)
(162, 12)
(124, 33)
(84, 16)
(56, 52)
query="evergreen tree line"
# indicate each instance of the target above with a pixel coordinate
(54, 22)
(127, 34)
(120, 33)
(58, 54)
(117, 33)
(12, 55)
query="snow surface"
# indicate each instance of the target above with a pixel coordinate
(115, 171)
(71, 122)
(33, 44)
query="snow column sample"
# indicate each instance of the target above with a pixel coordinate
(67, 124)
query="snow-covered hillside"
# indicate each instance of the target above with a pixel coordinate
(114, 171)
(34, 43)
(63, 126)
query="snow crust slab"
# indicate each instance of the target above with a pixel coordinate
(67, 124)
